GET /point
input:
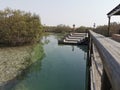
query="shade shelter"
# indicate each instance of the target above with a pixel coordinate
(113, 12)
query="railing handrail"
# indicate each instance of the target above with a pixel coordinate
(109, 51)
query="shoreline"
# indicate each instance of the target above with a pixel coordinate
(15, 60)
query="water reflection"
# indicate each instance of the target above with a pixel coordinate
(61, 69)
(72, 48)
(81, 47)
(45, 40)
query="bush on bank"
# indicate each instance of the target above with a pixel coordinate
(19, 27)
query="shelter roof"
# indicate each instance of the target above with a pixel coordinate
(115, 11)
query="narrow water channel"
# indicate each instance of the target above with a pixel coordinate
(62, 68)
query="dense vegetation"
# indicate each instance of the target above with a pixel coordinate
(18, 27)
(65, 29)
(83, 29)
(103, 29)
(57, 29)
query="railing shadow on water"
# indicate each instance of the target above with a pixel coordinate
(81, 47)
(84, 48)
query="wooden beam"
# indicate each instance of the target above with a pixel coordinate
(114, 11)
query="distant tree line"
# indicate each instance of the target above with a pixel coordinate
(65, 29)
(57, 29)
(19, 27)
(83, 29)
(103, 29)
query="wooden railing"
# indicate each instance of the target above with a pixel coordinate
(109, 51)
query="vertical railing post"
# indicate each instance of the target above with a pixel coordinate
(88, 63)
(89, 53)
(109, 25)
(89, 49)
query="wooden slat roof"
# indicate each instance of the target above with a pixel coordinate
(115, 11)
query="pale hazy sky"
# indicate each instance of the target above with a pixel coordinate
(68, 12)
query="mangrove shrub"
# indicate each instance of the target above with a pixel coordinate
(18, 27)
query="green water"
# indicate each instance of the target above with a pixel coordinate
(62, 68)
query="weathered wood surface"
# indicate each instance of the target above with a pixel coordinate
(96, 70)
(110, 53)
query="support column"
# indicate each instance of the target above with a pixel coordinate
(109, 25)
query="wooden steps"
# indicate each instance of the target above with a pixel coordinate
(74, 38)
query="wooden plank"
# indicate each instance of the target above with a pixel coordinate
(97, 60)
(110, 52)
(97, 68)
(95, 76)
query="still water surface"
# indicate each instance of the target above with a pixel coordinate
(62, 68)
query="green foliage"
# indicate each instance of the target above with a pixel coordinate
(114, 28)
(49, 28)
(18, 27)
(102, 30)
(37, 52)
(82, 29)
(57, 29)
(62, 29)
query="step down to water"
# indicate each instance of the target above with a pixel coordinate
(75, 39)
